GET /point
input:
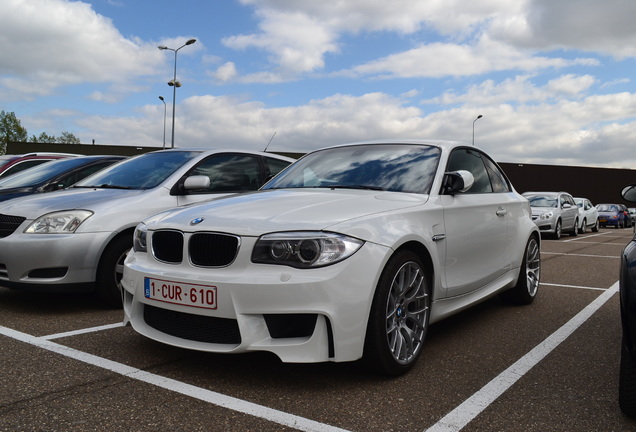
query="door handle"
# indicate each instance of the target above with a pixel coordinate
(501, 211)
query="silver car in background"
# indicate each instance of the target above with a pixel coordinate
(554, 212)
(76, 239)
(588, 215)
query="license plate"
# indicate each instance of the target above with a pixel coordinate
(201, 296)
(602, 220)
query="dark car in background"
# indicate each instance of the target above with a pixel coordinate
(613, 215)
(627, 289)
(54, 175)
(11, 164)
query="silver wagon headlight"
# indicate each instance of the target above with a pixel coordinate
(63, 222)
(304, 249)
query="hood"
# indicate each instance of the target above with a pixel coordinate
(539, 210)
(283, 210)
(33, 206)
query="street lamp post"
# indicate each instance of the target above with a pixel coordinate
(478, 117)
(164, 120)
(174, 83)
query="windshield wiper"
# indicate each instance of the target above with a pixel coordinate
(104, 186)
(366, 187)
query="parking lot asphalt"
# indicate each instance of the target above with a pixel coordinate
(69, 365)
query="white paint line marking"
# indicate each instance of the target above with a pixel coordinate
(580, 255)
(83, 331)
(574, 286)
(587, 236)
(238, 405)
(455, 420)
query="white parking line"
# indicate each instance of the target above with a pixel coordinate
(580, 239)
(285, 419)
(455, 420)
(580, 255)
(82, 331)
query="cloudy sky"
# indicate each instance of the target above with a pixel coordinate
(551, 78)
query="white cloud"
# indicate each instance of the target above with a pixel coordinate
(53, 43)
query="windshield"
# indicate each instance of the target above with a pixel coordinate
(542, 201)
(607, 207)
(41, 173)
(142, 172)
(389, 167)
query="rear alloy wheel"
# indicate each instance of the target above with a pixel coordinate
(399, 316)
(575, 228)
(596, 226)
(527, 287)
(111, 270)
(583, 227)
(557, 230)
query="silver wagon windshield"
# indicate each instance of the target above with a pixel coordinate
(142, 172)
(387, 167)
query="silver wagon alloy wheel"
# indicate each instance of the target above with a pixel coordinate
(399, 316)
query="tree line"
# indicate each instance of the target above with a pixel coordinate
(11, 130)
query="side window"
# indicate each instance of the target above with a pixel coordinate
(74, 177)
(275, 166)
(497, 177)
(469, 160)
(229, 173)
(20, 166)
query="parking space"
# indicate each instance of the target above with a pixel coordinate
(69, 365)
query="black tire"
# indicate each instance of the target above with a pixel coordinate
(110, 271)
(596, 226)
(557, 230)
(398, 320)
(627, 383)
(527, 287)
(575, 228)
(583, 226)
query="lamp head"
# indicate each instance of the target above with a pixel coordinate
(162, 47)
(190, 42)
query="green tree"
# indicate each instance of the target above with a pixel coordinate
(10, 130)
(68, 138)
(43, 138)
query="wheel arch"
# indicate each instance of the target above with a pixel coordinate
(422, 251)
(125, 232)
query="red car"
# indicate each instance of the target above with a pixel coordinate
(11, 164)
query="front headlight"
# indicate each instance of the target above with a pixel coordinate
(546, 215)
(304, 249)
(139, 238)
(63, 222)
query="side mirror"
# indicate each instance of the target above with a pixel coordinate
(196, 182)
(566, 205)
(458, 181)
(629, 193)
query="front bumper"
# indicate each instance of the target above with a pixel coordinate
(545, 225)
(50, 262)
(301, 315)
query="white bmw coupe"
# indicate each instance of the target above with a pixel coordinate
(351, 252)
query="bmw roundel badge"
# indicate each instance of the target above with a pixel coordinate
(197, 221)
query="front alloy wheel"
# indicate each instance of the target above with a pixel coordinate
(399, 316)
